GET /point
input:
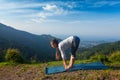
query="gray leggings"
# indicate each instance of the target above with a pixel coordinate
(75, 44)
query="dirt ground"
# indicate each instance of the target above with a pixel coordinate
(37, 72)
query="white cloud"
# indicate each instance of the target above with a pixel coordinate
(49, 10)
(102, 3)
(41, 20)
(44, 14)
(38, 20)
(32, 10)
(54, 9)
(16, 5)
(72, 5)
(49, 7)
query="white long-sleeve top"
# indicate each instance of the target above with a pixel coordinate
(65, 44)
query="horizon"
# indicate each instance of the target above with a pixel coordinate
(63, 17)
(83, 38)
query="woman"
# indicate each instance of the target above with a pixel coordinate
(71, 42)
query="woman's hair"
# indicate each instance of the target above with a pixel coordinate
(54, 41)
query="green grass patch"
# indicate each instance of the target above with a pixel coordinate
(8, 63)
(60, 63)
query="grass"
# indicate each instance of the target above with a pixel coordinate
(7, 63)
(58, 63)
(11, 71)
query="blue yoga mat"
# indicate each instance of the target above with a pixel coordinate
(83, 66)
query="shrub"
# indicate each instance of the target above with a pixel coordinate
(99, 57)
(115, 57)
(14, 55)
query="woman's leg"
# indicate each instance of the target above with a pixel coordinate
(75, 45)
(72, 60)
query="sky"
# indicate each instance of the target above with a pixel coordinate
(99, 18)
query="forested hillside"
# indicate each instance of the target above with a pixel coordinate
(29, 44)
(106, 49)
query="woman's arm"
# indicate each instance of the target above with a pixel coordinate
(57, 54)
(65, 63)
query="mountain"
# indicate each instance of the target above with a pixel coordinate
(30, 44)
(105, 48)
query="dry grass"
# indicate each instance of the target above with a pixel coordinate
(37, 72)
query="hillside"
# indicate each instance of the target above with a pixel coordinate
(29, 44)
(105, 48)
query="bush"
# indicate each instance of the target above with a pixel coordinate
(14, 55)
(99, 57)
(115, 57)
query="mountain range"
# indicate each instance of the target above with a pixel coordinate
(38, 46)
(29, 44)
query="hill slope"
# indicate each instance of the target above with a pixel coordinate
(33, 45)
(105, 48)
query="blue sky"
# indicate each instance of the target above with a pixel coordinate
(69, 17)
